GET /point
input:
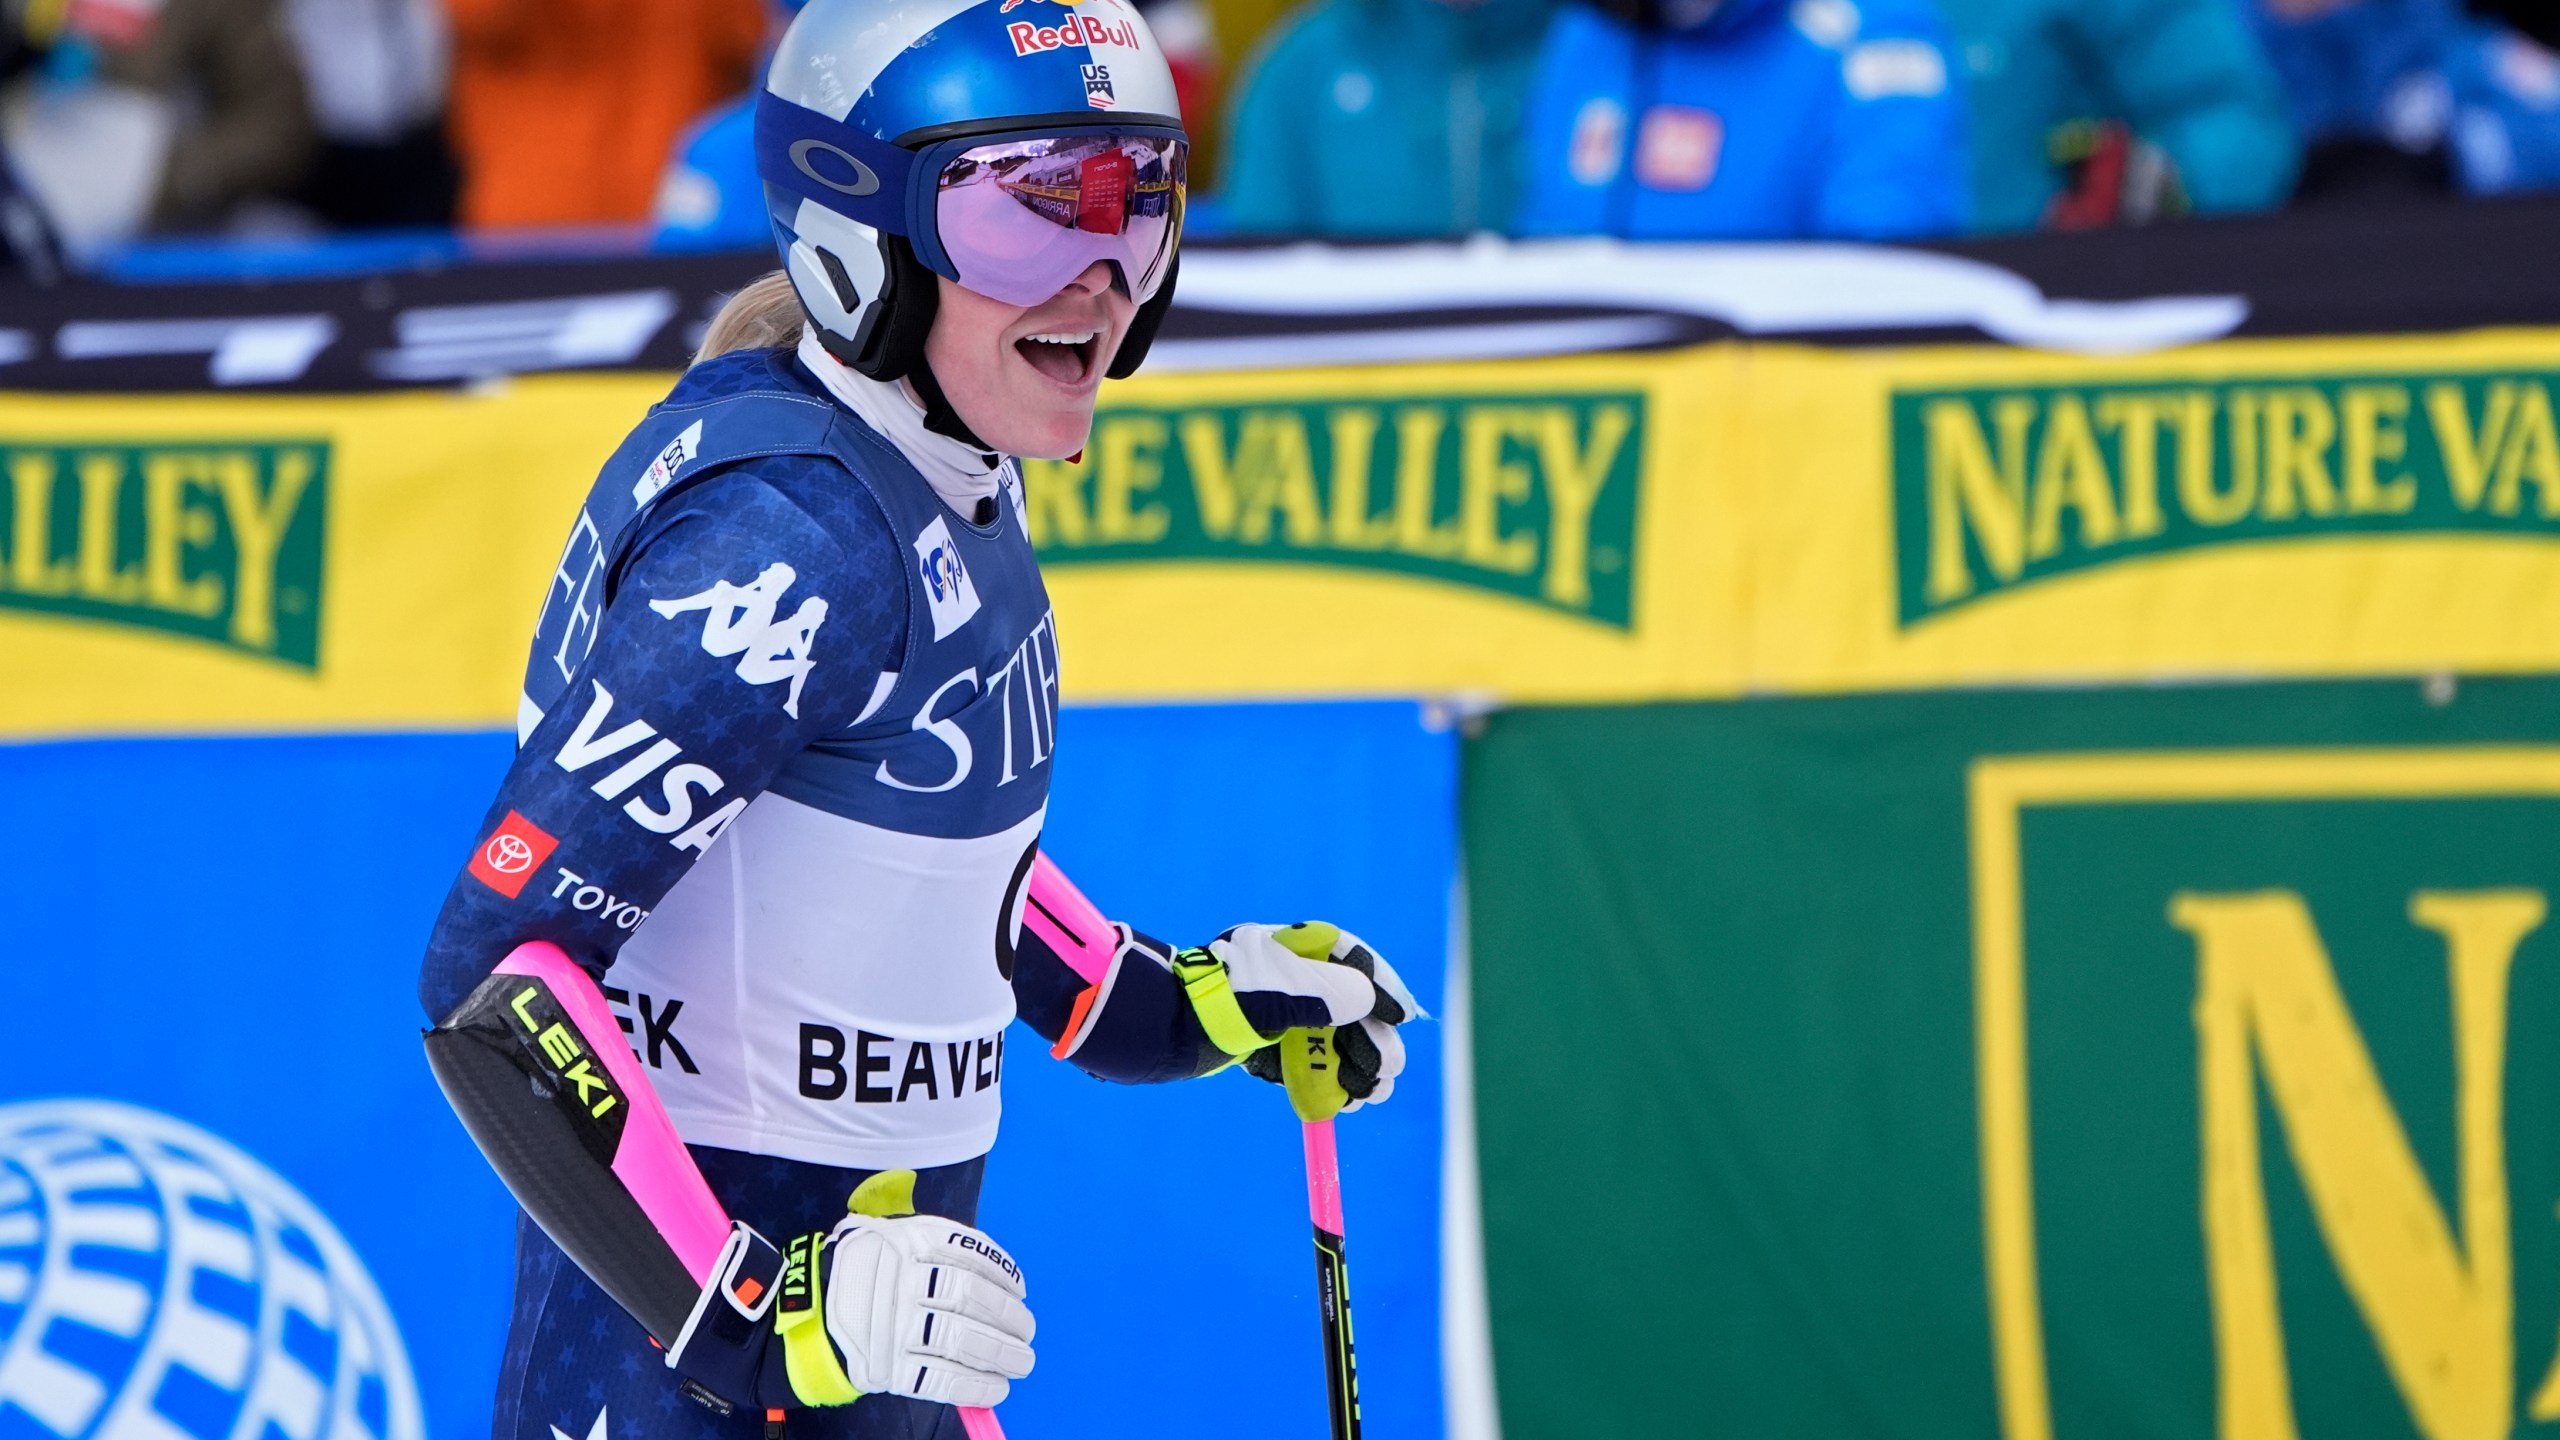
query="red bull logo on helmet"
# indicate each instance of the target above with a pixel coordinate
(1030, 38)
(1009, 6)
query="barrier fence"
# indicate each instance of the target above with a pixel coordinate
(2003, 887)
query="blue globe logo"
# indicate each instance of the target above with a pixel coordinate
(158, 1284)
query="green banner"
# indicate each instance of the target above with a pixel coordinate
(1997, 488)
(2149, 1063)
(216, 540)
(1526, 495)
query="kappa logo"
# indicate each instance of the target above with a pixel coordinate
(506, 860)
(662, 471)
(948, 593)
(738, 620)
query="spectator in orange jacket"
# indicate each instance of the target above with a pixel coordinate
(563, 110)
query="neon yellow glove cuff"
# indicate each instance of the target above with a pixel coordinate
(1204, 979)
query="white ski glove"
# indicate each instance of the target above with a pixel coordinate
(915, 1305)
(1279, 984)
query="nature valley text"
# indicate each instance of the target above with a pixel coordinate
(1529, 496)
(1996, 488)
(217, 540)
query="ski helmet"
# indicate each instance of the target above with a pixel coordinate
(1006, 145)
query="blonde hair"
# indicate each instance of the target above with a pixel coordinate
(763, 314)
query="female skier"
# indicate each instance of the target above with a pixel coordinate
(784, 755)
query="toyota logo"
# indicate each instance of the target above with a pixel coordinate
(508, 854)
(864, 182)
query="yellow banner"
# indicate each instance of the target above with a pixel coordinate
(1725, 520)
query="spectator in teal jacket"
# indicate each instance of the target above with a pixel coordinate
(1383, 118)
(2185, 76)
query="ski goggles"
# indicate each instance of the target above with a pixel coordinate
(1014, 215)
(1018, 219)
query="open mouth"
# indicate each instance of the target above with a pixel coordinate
(1066, 356)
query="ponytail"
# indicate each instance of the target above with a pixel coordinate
(764, 314)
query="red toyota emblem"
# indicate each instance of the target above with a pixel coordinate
(508, 854)
(508, 857)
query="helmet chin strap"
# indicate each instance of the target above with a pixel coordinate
(891, 345)
(939, 417)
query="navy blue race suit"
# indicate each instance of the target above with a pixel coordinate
(784, 757)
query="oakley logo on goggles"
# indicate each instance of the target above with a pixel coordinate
(1010, 217)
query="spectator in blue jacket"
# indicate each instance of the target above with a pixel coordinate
(1746, 119)
(1386, 118)
(2366, 83)
(709, 198)
(2183, 78)
(2401, 94)
(2506, 118)
(2348, 64)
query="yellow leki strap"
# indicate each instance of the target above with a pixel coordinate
(808, 1357)
(1204, 979)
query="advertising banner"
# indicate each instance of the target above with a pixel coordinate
(2113, 1064)
(2008, 881)
(1712, 522)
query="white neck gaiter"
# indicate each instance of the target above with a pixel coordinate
(961, 474)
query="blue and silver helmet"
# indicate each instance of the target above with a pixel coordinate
(1006, 145)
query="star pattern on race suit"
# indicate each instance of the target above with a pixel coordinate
(595, 1431)
(572, 1351)
(797, 508)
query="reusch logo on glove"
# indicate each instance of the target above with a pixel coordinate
(1004, 1262)
(508, 858)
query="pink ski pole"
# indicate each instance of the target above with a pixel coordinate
(1333, 1286)
(1312, 1075)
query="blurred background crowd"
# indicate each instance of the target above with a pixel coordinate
(1656, 119)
